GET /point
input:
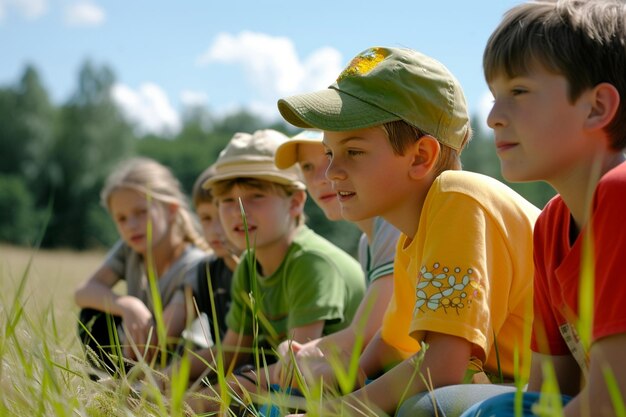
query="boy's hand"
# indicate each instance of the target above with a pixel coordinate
(285, 350)
(311, 362)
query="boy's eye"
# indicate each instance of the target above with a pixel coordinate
(306, 167)
(518, 91)
(354, 152)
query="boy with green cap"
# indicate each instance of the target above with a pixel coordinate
(395, 122)
(376, 252)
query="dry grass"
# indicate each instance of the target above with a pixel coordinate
(51, 280)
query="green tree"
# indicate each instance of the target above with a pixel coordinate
(26, 126)
(20, 220)
(26, 132)
(91, 137)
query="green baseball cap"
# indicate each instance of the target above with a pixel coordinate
(382, 85)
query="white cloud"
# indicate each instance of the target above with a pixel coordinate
(30, 9)
(272, 65)
(193, 98)
(84, 14)
(148, 107)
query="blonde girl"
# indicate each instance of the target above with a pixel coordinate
(158, 237)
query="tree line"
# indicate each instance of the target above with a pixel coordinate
(55, 158)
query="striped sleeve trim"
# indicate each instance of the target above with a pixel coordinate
(380, 271)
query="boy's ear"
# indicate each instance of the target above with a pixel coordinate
(604, 99)
(424, 156)
(298, 198)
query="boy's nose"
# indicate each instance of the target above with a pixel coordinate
(334, 172)
(496, 118)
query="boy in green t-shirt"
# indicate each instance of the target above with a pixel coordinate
(301, 285)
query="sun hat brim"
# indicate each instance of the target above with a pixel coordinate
(263, 171)
(287, 153)
(332, 110)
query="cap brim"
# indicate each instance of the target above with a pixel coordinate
(252, 171)
(287, 153)
(332, 110)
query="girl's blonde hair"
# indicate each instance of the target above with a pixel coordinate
(149, 177)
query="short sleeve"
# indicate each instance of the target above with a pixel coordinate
(451, 262)
(382, 250)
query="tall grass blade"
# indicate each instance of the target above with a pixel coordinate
(617, 398)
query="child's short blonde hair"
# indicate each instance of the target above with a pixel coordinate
(585, 41)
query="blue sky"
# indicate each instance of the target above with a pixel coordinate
(232, 54)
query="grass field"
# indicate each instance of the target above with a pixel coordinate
(42, 367)
(42, 364)
(50, 281)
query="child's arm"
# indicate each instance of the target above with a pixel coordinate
(97, 293)
(378, 356)
(566, 370)
(367, 319)
(366, 322)
(308, 332)
(445, 363)
(175, 315)
(605, 354)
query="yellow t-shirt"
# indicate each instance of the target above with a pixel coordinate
(468, 270)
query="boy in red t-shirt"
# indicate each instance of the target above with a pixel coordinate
(556, 70)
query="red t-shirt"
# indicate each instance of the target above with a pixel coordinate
(558, 264)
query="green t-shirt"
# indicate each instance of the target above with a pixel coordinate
(315, 281)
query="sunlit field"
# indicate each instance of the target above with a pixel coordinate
(43, 372)
(50, 282)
